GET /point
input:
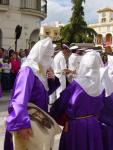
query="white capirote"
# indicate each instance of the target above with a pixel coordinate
(107, 78)
(89, 73)
(40, 55)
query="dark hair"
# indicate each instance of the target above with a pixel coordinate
(64, 46)
(11, 51)
(104, 57)
(6, 58)
(2, 49)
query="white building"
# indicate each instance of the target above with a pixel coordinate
(104, 27)
(26, 13)
(51, 30)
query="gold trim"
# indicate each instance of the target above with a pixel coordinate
(84, 117)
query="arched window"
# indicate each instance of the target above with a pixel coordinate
(108, 39)
(34, 37)
(99, 39)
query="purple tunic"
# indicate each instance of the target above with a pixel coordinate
(106, 118)
(82, 130)
(27, 88)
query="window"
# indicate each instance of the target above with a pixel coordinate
(4, 2)
(31, 4)
(47, 33)
(55, 33)
(111, 19)
(103, 20)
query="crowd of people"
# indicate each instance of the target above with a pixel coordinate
(79, 86)
(10, 62)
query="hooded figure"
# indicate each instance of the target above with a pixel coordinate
(34, 82)
(89, 73)
(79, 105)
(106, 115)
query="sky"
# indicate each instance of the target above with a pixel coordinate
(60, 10)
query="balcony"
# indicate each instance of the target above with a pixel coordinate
(34, 7)
(4, 4)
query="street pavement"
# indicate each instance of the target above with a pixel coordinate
(2, 128)
(3, 114)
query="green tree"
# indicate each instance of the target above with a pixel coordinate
(77, 30)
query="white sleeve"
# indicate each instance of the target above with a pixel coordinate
(63, 64)
(70, 64)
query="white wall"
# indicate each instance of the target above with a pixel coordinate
(13, 17)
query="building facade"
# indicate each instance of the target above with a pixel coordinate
(52, 31)
(26, 13)
(104, 28)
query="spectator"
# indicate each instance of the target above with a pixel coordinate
(11, 51)
(1, 62)
(27, 52)
(6, 74)
(22, 55)
(15, 66)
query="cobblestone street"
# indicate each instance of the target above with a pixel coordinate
(2, 128)
(3, 113)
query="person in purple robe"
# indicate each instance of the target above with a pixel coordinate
(106, 114)
(34, 82)
(78, 107)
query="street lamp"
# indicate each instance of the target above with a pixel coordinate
(44, 6)
(18, 31)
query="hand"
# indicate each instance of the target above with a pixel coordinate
(73, 72)
(50, 73)
(25, 133)
(67, 71)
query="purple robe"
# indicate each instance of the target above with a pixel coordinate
(27, 88)
(106, 119)
(82, 130)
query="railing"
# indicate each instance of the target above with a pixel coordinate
(39, 5)
(4, 2)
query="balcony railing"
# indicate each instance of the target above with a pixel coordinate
(4, 2)
(37, 5)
